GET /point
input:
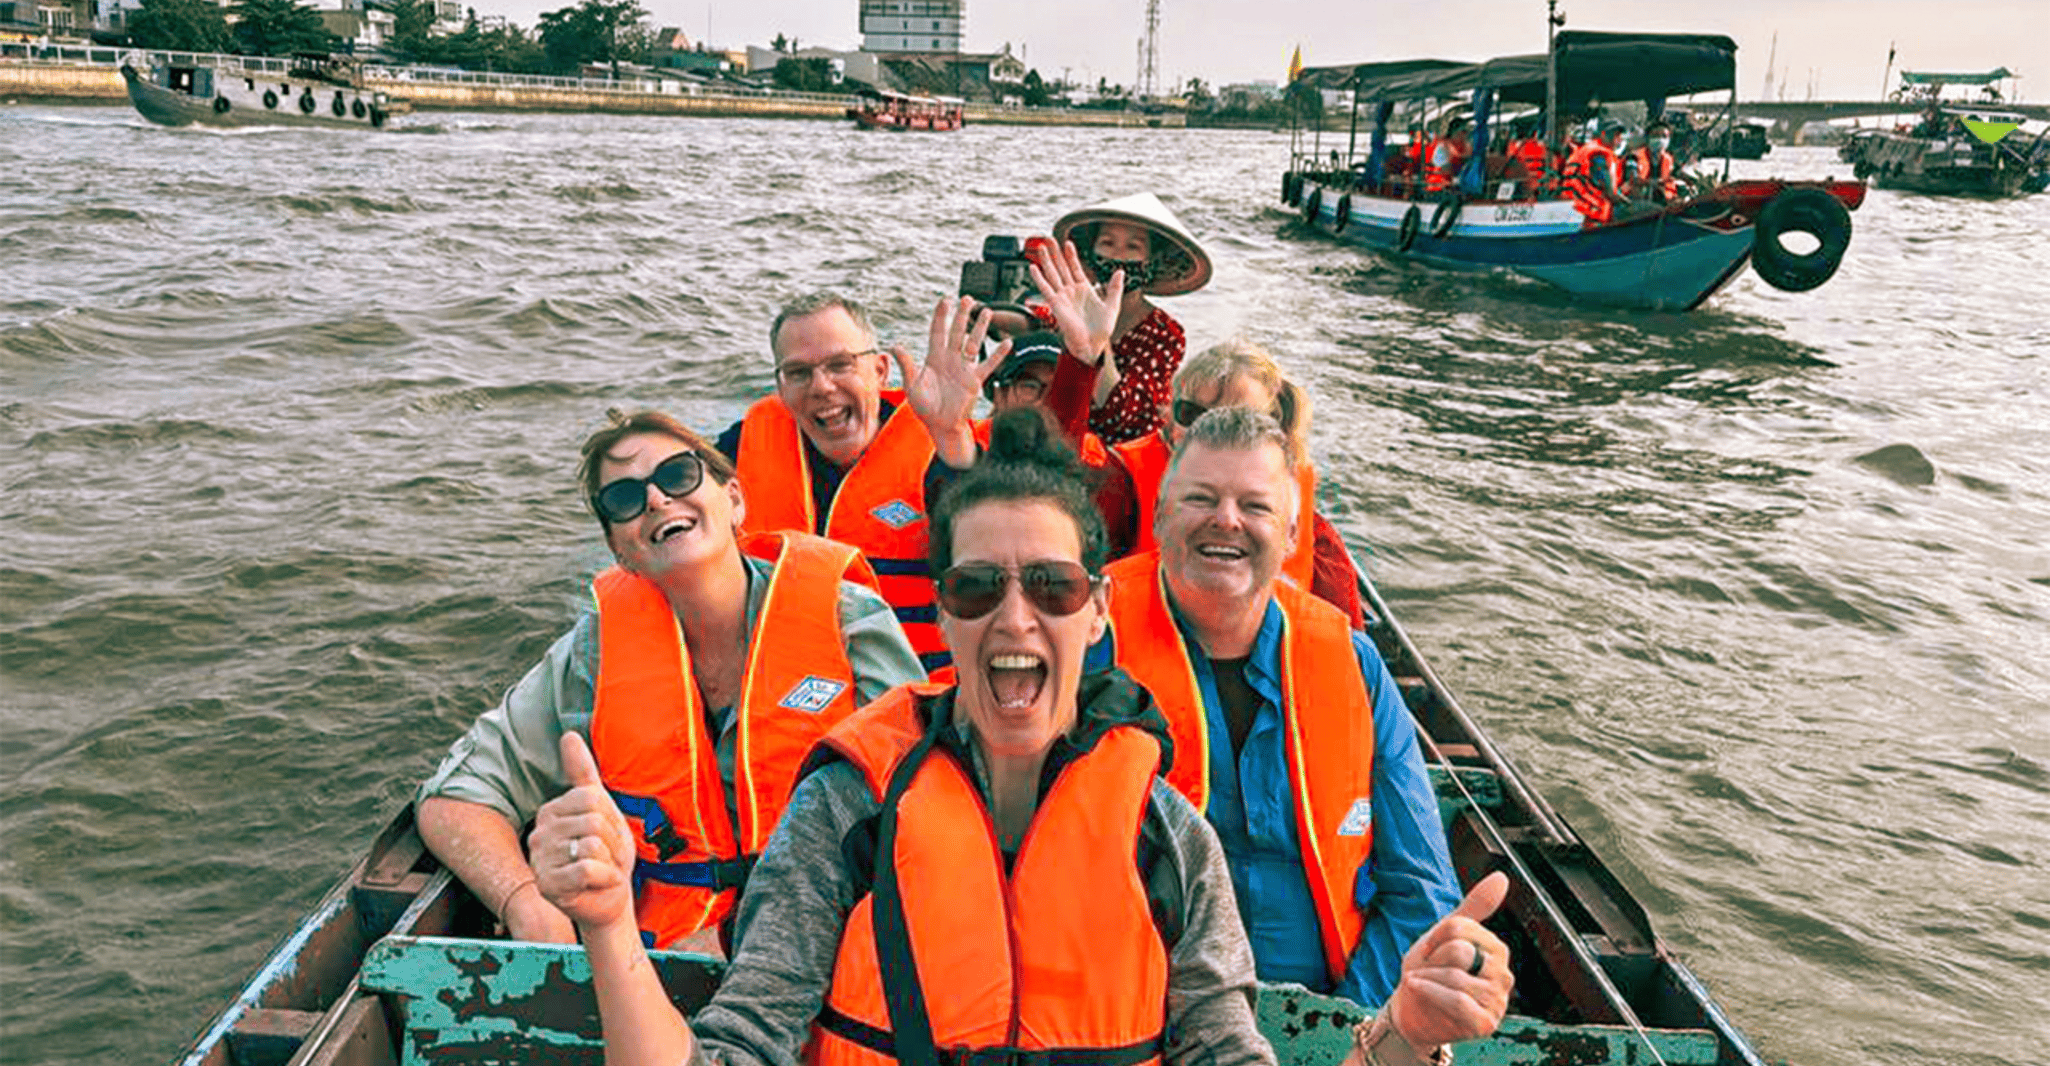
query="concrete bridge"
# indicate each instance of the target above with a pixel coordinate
(1789, 114)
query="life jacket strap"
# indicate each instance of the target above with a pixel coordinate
(882, 1042)
(717, 875)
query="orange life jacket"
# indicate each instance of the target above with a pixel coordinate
(880, 507)
(1530, 151)
(1147, 459)
(1061, 955)
(1662, 179)
(658, 757)
(1577, 180)
(1439, 178)
(1326, 710)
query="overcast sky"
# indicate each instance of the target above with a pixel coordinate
(1840, 44)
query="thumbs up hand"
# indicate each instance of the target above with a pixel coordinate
(581, 848)
(1455, 978)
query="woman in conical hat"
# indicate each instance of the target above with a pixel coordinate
(1141, 237)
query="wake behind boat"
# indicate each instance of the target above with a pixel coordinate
(316, 90)
(397, 963)
(1662, 256)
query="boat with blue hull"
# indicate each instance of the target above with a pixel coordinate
(1493, 216)
(400, 965)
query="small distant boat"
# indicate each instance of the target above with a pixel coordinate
(1744, 139)
(1957, 147)
(880, 109)
(1669, 256)
(315, 90)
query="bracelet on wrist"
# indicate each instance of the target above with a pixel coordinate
(1381, 1045)
(506, 901)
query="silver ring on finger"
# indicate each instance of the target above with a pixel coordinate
(573, 849)
(1480, 960)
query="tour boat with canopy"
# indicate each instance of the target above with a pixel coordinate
(880, 109)
(1664, 256)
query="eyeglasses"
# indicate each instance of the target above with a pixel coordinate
(625, 499)
(1057, 587)
(839, 368)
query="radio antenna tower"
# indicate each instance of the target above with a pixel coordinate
(1149, 53)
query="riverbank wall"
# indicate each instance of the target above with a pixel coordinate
(95, 77)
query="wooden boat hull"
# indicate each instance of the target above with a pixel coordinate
(232, 99)
(397, 966)
(1666, 259)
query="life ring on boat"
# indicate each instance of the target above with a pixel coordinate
(270, 100)
(1804, 210)
(1444, 217)
(1313, 205)
(340, 106)
(377, 116)
(221, 105)
(1405, 234)
(1341, 214)
(358, 109)
(306, 103)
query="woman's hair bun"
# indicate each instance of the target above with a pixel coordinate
(1027, 435)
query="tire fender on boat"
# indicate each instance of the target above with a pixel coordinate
(1444, 217)
(270, 100)
(340, 106)
(1405, 234)
(221, 105)
(306, 103)
(358, 109)
(1313, 205)
(1289, 189)
(1803, 210)
(1341, 214)
(377, 116)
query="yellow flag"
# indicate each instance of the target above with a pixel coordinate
(1295, 65)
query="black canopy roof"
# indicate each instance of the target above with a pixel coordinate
(1592, 67)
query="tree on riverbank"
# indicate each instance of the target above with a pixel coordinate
(180, 26)
(595, 31)
(277, 28)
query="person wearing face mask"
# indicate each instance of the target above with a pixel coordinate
(1652, 167)
(699, 734)
(1590, 175)
(990, 870)
(1289, 734)
(1138, 239)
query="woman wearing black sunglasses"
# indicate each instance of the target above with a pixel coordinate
(712, 665)
(991, 866)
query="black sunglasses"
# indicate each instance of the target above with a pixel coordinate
(625, 499)
(1058, 587)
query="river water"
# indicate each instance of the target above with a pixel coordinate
(287, 432)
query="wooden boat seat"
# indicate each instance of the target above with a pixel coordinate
(459, 1001)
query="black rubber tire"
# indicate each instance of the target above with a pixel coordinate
(221, 105)
(1861, 170)
(358, 109)
(1341, 214)
(377, 116)
(1803, 210)
(1288, 188)
(306, 101)
(1443, 219)
(270, 100)
(1405, 234)
(1313, 205)
(340, 106)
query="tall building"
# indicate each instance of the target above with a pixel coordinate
(912, 25)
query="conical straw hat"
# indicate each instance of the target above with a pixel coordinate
(1180, 264)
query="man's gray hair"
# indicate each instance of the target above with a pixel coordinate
(811, 304)
(1236, 429)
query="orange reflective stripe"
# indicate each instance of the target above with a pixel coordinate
(1062, 953)
(1330, 739)
(880, 507)
(648, 729)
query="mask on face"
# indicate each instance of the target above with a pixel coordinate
(1138, 272)
(1658, 144)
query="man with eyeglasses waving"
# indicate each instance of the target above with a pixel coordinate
(836, 454)
(1289, 734)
